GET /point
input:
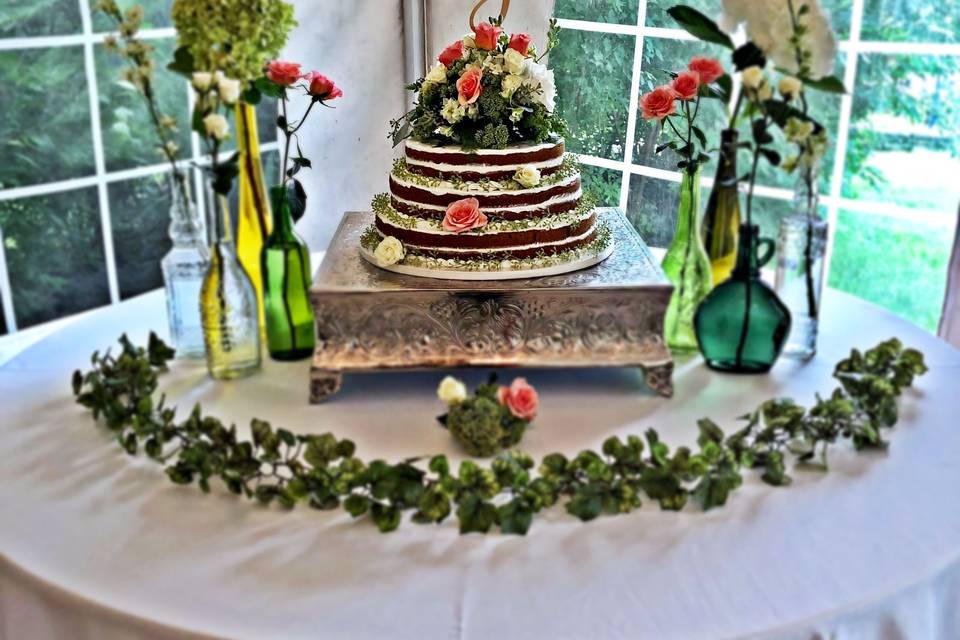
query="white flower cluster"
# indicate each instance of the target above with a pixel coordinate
(228, 92)
(768, 25)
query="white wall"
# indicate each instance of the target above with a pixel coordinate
(359, 44)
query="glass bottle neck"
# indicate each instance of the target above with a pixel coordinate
(185, 229)
(282, 219)
(689, 208)
(727, 165)
(747, 263)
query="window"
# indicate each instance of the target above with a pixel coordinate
(83, 195)
(889, 185)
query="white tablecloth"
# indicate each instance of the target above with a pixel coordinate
(99, 545)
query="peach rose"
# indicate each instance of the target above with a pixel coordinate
(321, 87)
(451, 54)
(708, 68)
(520, 398)
(469, 86)
(283, 73)
(686, 85)
(463, 215)
(659, 103)
(520, 42)
(486, 36)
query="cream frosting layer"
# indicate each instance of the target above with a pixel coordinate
(511, 149)
(447, 188)
(483, 168)
(564, 197)
(553, 221)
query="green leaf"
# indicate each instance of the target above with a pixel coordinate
(182, 62)
(829, 84)
(297, 198)
(586, 503)
(356, 505)
(515, 517)
(748, 55)
(252, 95)
(772, 156)
(699, 25)
(476, 515)
(387, 518)
(268, 88)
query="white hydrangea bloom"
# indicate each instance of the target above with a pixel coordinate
(537, 75)
(452, 111)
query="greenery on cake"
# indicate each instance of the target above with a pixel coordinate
(486, 91)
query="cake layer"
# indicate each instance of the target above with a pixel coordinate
(514, 253)
(499, 240)
(444, 195)
(514, 155)
(477, 172)
(560, 204)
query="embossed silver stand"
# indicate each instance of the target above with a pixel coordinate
(608, 315)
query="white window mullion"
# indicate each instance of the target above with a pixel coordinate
(98, 156)
(6, 293)
(843, 134)
(634, 103)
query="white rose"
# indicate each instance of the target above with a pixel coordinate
(473, 111)
(389, 251)
(514, 61)
(752, 77)
(216, 125)
(510, 85)
(452, 111)
(765, 92)
(790, 87)
(201, 80)
(438, 74)
(539, 77)
(451, 391)
(229, 90)
(798, 130)
(469, 42)
(527, 176)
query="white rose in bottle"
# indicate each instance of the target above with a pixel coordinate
(752, 77)
(229, 90)
(510, 85)
(216, 126)
(798, 130)
(451, 391)
(201, 80)
(514, 61)
(389, 251)
(765, 92)
(790, 87)
(528, 176)
(438, 74)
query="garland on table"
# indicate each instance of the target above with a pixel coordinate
(279, 466)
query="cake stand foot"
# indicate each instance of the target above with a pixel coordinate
(323, 384)
(660, 379)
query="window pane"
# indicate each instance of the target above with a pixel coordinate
(661, 55)
(657, 11)
(21, 18)
(897, 264)
(652, 208)
(911, 20)
(129, 137)
(904, 148)
(54, 252)
(156, 15)
(604, 184)
(617, 11)
(840, 12)
(62, 147)
(140, 217)
(593, 86)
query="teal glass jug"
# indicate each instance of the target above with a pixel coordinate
(742, 325)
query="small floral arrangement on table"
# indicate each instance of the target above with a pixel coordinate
(485, 91)
(494, 418)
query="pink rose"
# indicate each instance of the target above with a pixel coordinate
(463, 215)
(520, 398)
(686, 85)
(659, 103)
(520, 42)
(283, 73)
(452, 53)
(469, 86)
(321, 87)
(486, 36)
(708, 68)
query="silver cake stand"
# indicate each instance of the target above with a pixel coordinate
(607, 315)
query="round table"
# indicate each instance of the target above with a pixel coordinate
(96, 544)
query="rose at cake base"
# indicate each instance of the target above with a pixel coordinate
(484, 189)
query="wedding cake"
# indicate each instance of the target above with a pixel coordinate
(484, 189)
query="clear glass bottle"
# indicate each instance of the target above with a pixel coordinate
(721, 219)
(183, 270)
(286, 284)
(687, 267)
(802, 246)
(228, 302)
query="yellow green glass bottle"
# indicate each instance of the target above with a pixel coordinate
(286, 280)
(253, 217)
(721, 220)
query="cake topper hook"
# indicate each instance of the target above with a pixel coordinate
(504, 7)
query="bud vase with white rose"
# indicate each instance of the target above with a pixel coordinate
(285, 259)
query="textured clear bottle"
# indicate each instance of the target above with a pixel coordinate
(183, 271)
(802, 245)
(228, 303)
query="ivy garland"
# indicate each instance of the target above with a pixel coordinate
(279, 466)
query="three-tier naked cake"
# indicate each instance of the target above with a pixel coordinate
(484, 189)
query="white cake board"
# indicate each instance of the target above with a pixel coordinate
(452, 274)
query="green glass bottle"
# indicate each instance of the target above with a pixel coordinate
(687, 267)
(721, 220)
(285, 263)
(742, 325)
